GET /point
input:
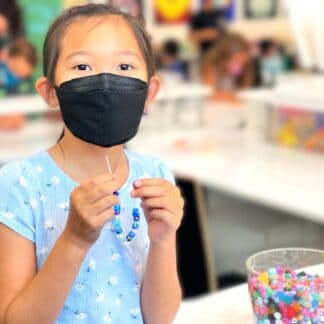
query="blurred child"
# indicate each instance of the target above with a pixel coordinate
(18, 65)
(170, 61)
(228, 67)
(11, 25)
(270, 62)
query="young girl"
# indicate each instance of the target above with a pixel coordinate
(79, 243)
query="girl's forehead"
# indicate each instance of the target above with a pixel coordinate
(109, 32)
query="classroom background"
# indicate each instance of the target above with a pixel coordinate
(239, 119)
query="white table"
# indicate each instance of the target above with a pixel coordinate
(34, 104)
(25, 104)
(231, 306)
(285, 179)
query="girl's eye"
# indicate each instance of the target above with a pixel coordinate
(82, 67)
(125, 67)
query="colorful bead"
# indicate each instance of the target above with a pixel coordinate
(117, 209)
(284, 296)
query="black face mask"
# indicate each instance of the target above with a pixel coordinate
(103, 109)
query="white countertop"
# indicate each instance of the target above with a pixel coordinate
(304, 91)
(231, 306)
(285, 179)
(34, 104)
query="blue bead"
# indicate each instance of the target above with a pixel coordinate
(116, 223)
(119, 230)
(135, 225)
(136, 218)
(116, 193)
(128, 238)
(136, 212)
(117, 209)
(131, 234)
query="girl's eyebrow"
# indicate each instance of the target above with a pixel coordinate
(84, 53)
(130, 53)
(124, 52)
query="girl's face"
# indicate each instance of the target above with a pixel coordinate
(99, 45)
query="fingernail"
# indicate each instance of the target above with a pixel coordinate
(137, 183)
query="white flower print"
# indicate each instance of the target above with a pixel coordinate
(80, 316)
(38, 169)
(49, 225)
(136, 288)
(64, 206)
(9, 215)
(100, 297)
(55, 180)
(44, 250)
(115, 256)
(118, 301)
(113, 281)
(146, 175)
(33, 203)
(107, 318)
(135, 312)
(138, 267)
(79, 286)
(23, 182)
(42, 197)
(91, 265)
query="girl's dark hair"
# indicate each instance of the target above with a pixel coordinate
(56, 31)
(11, 10)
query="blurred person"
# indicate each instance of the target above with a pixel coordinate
(11, 23)
(228, 67)
(270, 62)
(18, 65)
(207, 26)
(170, 62)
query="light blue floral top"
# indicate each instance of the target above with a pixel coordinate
(34, 202)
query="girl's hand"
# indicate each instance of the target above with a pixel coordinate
(91, 207)
(163, 207)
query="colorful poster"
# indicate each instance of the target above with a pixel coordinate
(172, 11)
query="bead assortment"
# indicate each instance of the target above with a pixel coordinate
(284, 296)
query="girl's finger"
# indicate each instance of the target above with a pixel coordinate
(149, 191)
(103, 204)
(156, 202)
(165, 216)
(150, 182)
(105, 216)
(89, 183)
(102, 190)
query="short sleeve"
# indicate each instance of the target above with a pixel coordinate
(165, 172)
(16, 202)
